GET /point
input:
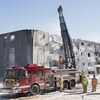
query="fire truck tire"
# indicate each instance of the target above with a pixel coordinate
(72, 84)
(65, 85)
(34, 89)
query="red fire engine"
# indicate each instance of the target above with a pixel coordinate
(35, 79)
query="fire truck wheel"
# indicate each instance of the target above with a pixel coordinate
(34, 89)
(65, 85)
(72, 84)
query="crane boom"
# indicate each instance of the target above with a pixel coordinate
(67, 42)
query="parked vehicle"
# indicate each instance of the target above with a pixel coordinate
(34, 79)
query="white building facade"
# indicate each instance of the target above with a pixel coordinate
(87, 54)
(48, 48)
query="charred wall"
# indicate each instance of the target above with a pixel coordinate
(16, 49)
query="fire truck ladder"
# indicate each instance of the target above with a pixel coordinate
(67, 42)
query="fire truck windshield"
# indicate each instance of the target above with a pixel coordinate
(10, 74)
(19, 74)
(13, 74)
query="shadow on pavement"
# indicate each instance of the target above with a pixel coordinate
(12, 96)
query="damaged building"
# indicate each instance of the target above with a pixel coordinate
(87, 55)
(24, 47)
(55, 45)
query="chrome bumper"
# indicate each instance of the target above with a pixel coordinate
(10, 90)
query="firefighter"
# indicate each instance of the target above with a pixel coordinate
(84, 83)
(80, 77)
(94, 84)
(60, 84)
(60, 62)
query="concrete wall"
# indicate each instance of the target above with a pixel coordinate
(41, 48)
(15, 49)
(23, 47)
(87, 63)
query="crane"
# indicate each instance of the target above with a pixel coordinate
(67, 42)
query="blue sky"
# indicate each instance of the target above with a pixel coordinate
(82, 17)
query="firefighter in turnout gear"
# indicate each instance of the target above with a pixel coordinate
(94, 84)
(84, 83)
(60, 84)
(60, 62)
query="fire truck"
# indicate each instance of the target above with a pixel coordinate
(34, 79)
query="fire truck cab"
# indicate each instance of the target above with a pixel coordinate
(33, 79)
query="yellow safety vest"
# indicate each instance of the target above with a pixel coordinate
(85, 81)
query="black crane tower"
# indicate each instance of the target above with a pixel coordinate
(67, 42)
